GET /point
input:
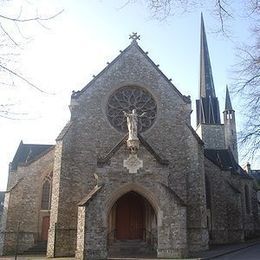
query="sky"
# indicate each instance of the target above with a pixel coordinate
(63, 54)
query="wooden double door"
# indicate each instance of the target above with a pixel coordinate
(130, 211)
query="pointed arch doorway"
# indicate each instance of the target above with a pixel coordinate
(132, 218)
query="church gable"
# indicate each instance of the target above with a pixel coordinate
(133, 55)
(131, 81)
(131, 68)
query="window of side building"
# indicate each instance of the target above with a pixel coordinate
(46, 195)
(247, 200)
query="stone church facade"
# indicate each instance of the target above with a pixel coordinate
(170, 193)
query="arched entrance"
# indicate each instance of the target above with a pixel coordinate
(130, 210)
(132, 222)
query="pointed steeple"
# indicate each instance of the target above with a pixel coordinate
(228, 105)
(230, 126)
(206, 79)
(207, 105)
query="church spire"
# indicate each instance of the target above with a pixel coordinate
(228, 105)
(207, 105)
(230, 127)
(206, 79)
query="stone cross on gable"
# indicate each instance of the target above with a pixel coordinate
(134, 36)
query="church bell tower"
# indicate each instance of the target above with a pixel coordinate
(209, 126)
(230, 126)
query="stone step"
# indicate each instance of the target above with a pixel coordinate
(39, 248)
(130, 243)
(130, 248)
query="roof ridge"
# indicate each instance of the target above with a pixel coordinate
(37, 144)
(77, 94)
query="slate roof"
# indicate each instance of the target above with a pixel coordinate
(256, 175)
(228, 105)
(206, 78)
(27, 153)
(225, 160)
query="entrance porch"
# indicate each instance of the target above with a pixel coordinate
(132, 226)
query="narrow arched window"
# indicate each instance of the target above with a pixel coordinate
(46, 195)
(247, 199)
(208, 192)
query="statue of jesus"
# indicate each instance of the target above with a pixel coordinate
(132, 120)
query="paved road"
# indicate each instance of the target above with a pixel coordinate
(250, 253)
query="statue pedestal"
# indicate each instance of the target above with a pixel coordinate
(133, 145)
(133, 163)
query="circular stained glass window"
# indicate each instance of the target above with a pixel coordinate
(129, 98)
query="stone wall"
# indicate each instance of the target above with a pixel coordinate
(230, 132)
(212, 135)
(3, 223)
(54, 199)
(197, 229)
(230, 221)
(22, 205)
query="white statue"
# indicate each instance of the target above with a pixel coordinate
(132, 120)
(132, 124)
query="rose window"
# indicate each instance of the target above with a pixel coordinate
(129, 98)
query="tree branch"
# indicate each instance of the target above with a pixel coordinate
(36, 18)
(8, 35)
(22, 78)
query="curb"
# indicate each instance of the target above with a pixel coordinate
(228, 252)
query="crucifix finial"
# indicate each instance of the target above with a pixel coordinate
(134, 36)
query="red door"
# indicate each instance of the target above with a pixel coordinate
(129, 217)
(45, 227)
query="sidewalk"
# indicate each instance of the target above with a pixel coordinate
(212, 253)
(220, 250)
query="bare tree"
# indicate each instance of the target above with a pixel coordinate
(247, 85)
(162, 9)
(247, 74)
(12, 38)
